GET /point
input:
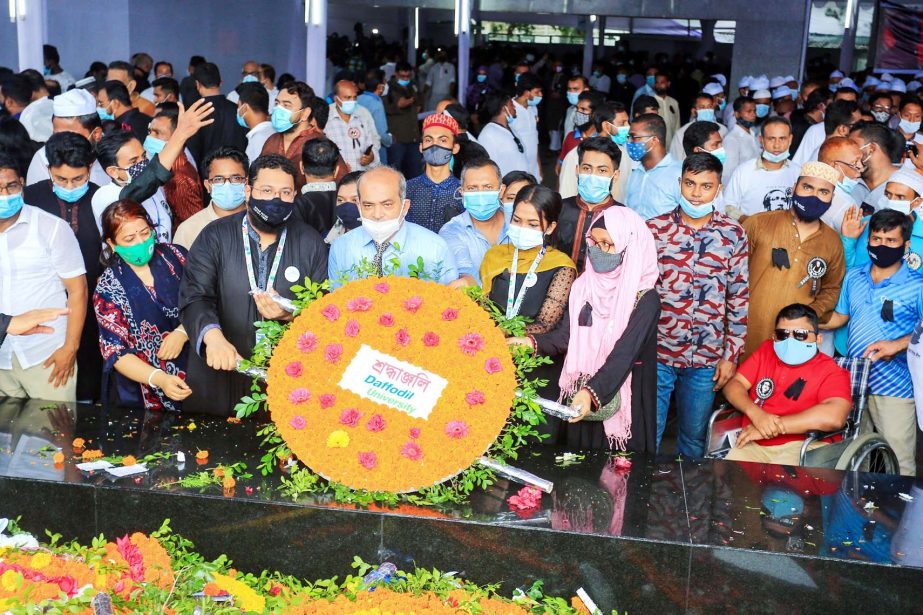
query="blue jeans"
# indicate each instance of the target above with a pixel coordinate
(694, 401)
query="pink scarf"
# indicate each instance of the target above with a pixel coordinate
(612, 297)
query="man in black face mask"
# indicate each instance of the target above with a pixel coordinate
(794, 256)
(434, 196)
(236, 267)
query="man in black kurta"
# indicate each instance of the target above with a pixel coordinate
(70, 156)
(215, 292)
(224, 130)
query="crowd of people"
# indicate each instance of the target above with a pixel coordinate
(661, 253)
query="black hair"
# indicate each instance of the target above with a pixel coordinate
(603, 145)
(167, 84)
(122, 65)
(595, 98)
(196, 61)
(90, 121)
(705, 96)
(697, 134)
(319, 157)
(890, 219)
(7, 161)
(460, 114)
(839, 113)
(50, 52)
(268, 71)
(53, 87)
(36, 80)
(107, 150)
(581, 78)
(284, 79)
(655, 124)
(402, 66)
(207, 74)
(116, 90)
(253, 95)
(545, 200)
(518, 176)
(350, 178)
(271, 161)
(320, 111)
(302, 90)
(818, 96)
(493, 105)
(740, 101)
(889, 141)
(702, 162)
(778, 119)
(225, 152)
(69, 148)
(847, 90)
(604, 113)
(373, 78)
(878, 96)
(645, 102)
(169, 110)
(910, 99)
(526, 82)
(796, 311)
(18, 88)
(480, 162)
(163, 63)
(15, 143)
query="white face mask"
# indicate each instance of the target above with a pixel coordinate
(383, 230)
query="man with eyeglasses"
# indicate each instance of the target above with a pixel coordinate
(794, 257)
(653, 188)
(236, 267)
(882, 301)
(249, 73)
(225, 172)
(40, 267)
(786, 389)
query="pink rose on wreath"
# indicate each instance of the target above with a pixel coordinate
(493, 365)
(382, 287)
(350, 417)
(298, 422)
(359, 304)
(307, 342)
(413, 304)
(331, 313)
(386, 320)
(621, 463)
(327, 400)
(333, 352)
(294, 369)
(471, 343)
(376, 423)
(430, 339)
(456, 429)
(449, 314)
(412, 451)
(368, 460)
(352, 328)
(474, 398)
(528, 498)
(414, 432)
(402, 337)
(299, 395)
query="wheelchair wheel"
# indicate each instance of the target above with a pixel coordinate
(868, 453)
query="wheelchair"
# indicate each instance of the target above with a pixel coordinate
(854, 452)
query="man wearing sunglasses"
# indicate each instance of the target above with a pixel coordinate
(882, 301)
(786, 389)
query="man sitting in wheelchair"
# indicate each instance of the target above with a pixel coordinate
(785, 389)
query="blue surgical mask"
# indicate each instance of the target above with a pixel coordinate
(573, 98)
(508, 209)
(481, 78)
(705, 115)
(525, 238)
(621, 78)
(240, 121)
(762, 110)
(228, 196)
(404, 82)
(775, 158)
(10, 204)
(792, 352)
(902, 206)
(103, 114)
(153, 145)
(70, 195)
(536, 101)
(720, 153)
(696, 211)
(908, 126)
(482, 205)
(848, 184)
(510, 119)
(281, 119)
(621, 135)
(249, 79)
(636, 151)
(348, 106)
(593, 188)
(722, 105)
(651, 80)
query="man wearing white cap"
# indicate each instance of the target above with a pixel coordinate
(782, 103)
(703, 110)
(74, 111)
(763, 99)
(834, 81)
(791, 82)
(717, 92)
(743, 89)
(776, 82)
(720, 79)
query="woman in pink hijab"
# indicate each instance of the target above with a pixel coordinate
(609, 336)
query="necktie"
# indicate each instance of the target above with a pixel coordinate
(379, 253)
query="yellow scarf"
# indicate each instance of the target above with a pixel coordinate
(500, 258)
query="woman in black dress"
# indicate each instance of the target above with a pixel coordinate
(609, 337)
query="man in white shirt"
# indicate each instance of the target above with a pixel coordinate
(352, 128)
(253, 114)
(249, 73)
(611, 120)
(764, 183)
(740, 142)
(74, 111)
(528, 97)
(576, 86)
(439, 81)
(40, 267)
(161, 70)
(599, 80)
(497, 137)
(703, 110)
(839, 118)
(743, 89)
(53, 68)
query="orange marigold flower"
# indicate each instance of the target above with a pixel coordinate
(129, 460)
(201, 455)
(78, 443)
(58, 458)
(92, 455)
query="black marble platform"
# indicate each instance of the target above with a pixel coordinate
(666, 536)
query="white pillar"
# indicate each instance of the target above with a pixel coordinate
(315, 19)
(30, 32)
(463, 25)
(413, 34)
(587, 45)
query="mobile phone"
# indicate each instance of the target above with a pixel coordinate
(911, 147)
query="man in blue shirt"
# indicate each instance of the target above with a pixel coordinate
(375, 88)
(882, 302)
(481, 226)
(434, 195)
(386, 243)
(653, 188)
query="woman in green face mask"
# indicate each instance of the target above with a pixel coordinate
(136, 304)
